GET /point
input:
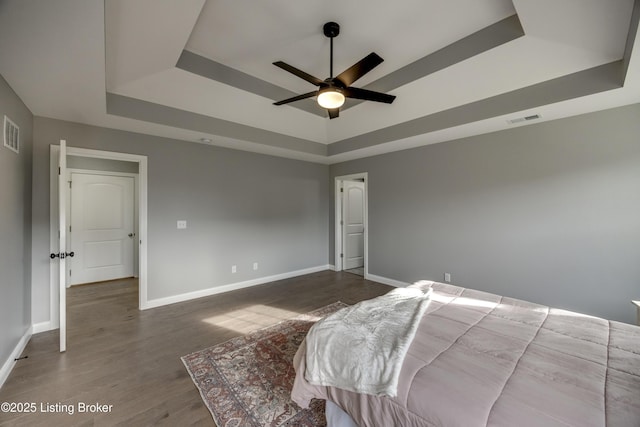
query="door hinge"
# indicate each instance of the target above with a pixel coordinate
(341, 222)
(69, 229)
(341, 190)
(69, 272)
(341, 255)
(69, 184)
(58, 170)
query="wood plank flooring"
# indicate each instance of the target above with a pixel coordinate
(117, 355)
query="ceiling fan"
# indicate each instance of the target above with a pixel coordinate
(332, 91)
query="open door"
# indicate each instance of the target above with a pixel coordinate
(353, 224)
(62, 246)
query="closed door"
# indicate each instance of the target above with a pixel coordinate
(102, 227)
(353, 224)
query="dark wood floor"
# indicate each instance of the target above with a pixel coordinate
(117, 355)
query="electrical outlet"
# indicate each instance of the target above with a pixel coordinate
(447, 277)
(182, 224)
(234, 269)
(255, 265)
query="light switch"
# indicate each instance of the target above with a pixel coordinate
(182, 224)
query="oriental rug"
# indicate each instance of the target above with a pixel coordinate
(247, 380)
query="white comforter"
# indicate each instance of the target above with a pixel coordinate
(361, 348)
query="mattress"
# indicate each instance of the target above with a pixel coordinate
(479, 359)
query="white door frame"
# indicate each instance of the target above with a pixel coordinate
(71, 171)
(338, 217)
(141, 191)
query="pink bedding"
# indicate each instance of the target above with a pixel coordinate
(479, 359)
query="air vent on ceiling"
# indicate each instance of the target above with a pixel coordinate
(11, 135)
(524, 119)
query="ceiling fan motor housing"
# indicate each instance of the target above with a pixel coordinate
(331, 29)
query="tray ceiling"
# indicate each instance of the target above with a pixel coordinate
(196, 69)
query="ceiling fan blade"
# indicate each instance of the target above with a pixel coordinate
(333, 112)
(359, 69)
(293, 70)
(368, 95)
(296, 98)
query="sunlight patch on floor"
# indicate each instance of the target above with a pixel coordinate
(248, 319)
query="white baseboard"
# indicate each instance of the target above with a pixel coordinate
(8, 365)
(42, 327)
(158, 302)
(387, 281)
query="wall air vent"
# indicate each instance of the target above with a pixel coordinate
(11, 135)
(524, 119)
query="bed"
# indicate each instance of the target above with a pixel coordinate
(479, 359)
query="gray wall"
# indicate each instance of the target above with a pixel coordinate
(15, 225)
(547, 212)
(240, 208)
(95, 164)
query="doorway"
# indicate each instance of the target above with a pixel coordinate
(351, 224)
(59, 154)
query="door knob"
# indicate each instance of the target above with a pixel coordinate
(62, 255)
(131, 234)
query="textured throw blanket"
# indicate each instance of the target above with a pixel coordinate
(361, 348)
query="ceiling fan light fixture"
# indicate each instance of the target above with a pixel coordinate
(331, 98)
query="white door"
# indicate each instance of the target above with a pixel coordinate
(353, 224)
(102, 227)
(62, 244)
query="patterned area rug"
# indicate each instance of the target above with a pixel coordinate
(247, 380)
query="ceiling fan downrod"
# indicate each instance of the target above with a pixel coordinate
(331, 30)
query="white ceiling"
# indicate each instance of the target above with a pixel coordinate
(118, 64)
